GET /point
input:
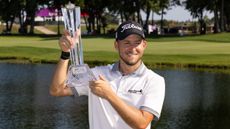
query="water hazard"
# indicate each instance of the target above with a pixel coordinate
(194, 100)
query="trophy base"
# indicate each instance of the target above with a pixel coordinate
(79, 75)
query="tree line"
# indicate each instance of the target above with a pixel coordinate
(125, 9)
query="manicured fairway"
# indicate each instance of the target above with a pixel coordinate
(212, 51)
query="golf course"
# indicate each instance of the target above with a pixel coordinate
(206, 52)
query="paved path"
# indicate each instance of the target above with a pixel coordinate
(44, 30)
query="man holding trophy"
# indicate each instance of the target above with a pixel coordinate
(122, 95)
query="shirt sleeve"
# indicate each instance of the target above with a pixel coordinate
(154, 96)
(80, 90)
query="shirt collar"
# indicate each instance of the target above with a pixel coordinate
(140, 70)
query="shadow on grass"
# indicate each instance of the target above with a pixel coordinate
(220, 37)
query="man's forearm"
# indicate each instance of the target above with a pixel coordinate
(58, 86)
(135, 118)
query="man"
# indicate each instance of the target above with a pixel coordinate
(126, 94)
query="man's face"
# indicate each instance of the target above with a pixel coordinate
(131, 49)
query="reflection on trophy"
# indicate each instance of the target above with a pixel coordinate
(79, 74)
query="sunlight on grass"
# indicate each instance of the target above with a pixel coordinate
(186, 51)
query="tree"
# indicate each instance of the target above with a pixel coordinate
(222, 28)
(227, 14)
(95, 9)
(22, 18)
(221, 13)
(197, 8)
(127, 9)
(213, 6)
(58, 4)
(31, 7)
(149, 6)
(164, 4)
(9, 10)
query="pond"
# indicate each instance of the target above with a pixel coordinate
(194, 100)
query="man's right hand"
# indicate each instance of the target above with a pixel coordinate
(66, 42)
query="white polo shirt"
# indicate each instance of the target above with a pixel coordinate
(142, 89)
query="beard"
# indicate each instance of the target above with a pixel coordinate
(128, 62)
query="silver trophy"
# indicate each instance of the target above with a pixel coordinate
(79, 74)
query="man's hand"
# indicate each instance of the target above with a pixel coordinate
(101, 87)
(66, 42)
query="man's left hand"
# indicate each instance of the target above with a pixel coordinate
(101, 87)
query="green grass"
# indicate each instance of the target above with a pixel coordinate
(208, 51)
(223, 37)
(31, 54)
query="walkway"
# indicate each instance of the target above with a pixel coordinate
(44, 30)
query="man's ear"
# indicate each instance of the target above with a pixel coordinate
(144, 43)
(116, 45)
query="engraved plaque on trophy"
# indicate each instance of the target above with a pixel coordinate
(79, 74)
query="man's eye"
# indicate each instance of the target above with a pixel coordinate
(137, 43)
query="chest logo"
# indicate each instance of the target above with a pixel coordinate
(135, 91)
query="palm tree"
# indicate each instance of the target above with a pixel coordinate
(164, 4)
(197, 8)
(149, 6)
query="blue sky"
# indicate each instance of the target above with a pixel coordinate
(178, 13)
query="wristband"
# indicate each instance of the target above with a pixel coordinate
(65, 55)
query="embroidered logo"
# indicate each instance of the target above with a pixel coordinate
(135, 91)
(129, 26)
